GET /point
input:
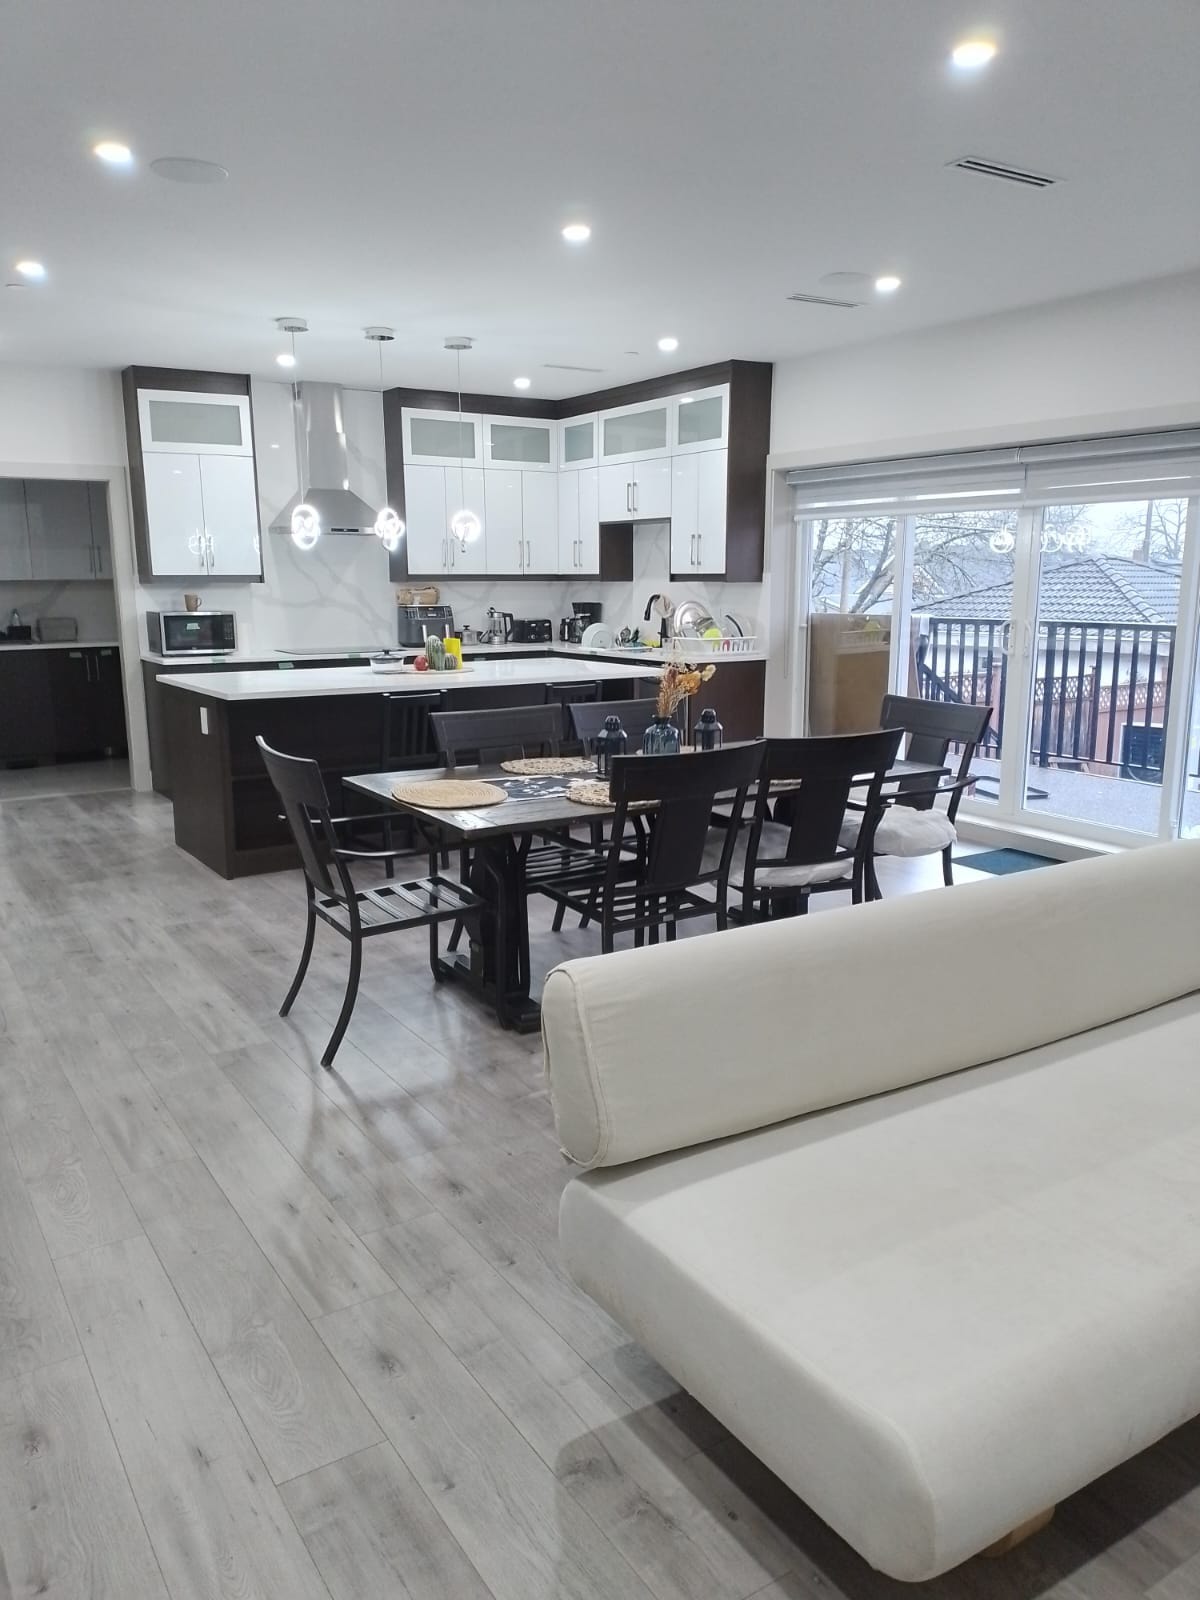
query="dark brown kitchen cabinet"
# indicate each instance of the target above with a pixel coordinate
(26, 717)
(88, 702)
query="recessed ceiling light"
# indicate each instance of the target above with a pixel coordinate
(33, 270)
(185, 169)
(522, 383)
(667, 344)
(115, 153)
(285, 359)
(577, 233)
(972, 53)
(888, 284)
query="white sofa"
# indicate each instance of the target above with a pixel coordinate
(934, 1301)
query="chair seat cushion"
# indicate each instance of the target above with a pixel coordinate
(936, 1312)
(799, 877)
(904, 832)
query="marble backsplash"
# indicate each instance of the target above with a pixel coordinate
(91, 603)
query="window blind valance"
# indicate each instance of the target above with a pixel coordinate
(1137, 466)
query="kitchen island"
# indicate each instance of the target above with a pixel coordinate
(350, 719)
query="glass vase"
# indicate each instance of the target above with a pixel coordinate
(661, 738)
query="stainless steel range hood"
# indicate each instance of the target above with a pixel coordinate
(321, 449)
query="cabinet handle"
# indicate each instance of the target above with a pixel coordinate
(629, 497)
(200, 549)
(528, 554)
(699, 549)
(692, 552)
(91, 561)
(521, 554)
(99, 554)
(635, 490)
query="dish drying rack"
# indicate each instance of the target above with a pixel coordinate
(729, 644)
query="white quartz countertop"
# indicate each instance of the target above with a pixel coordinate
(499, 651)
(316, 682)
(59, 644)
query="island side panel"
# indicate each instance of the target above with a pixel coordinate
(198, 751)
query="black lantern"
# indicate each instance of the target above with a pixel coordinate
(710, 735)
(612, 740)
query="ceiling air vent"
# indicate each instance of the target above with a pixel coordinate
(825, 300)
(561, 366)
(997, 169)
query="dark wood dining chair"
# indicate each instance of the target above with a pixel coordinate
(821, 774)
(357, 914)
(565, 696)
(635, 715)
(504, 733)
(663, 889)
(921, 819)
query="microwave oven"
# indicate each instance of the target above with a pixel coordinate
(185, 633)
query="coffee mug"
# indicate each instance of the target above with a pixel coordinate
(191, 602)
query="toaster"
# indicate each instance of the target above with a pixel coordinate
(536, 630)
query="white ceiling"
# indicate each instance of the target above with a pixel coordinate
(412, 161)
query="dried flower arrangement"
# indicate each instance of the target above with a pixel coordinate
(678, 682)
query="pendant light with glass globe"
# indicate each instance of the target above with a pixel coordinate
(389, 525)
(306, 520)
(465, 525)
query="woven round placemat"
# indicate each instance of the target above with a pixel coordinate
(449, 793)
(594, 792)
(547, 766)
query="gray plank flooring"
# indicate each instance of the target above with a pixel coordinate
(270, 1333)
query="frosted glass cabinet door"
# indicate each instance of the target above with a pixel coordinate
(204, 424)
(522, 442)
(701, 420)
(438, 438)
(175, 515)
(425, 516)
(633, 433)
(577, 441)
(231, 516)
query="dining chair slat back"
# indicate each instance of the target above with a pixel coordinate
(824, 769)
(635, 716)
(485, 737)
(932, 726)
(301, 791)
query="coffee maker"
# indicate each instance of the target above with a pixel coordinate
(571, 629)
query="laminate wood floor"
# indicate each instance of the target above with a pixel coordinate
(268, 1333)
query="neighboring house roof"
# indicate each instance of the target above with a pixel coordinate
(1110, 589)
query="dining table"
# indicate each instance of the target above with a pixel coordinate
(496, 965)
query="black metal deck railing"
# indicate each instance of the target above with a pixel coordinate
(1100, 694)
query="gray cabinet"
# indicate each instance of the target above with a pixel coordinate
(14, 530)
(54, 528)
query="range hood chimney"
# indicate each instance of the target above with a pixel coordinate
(324, 452)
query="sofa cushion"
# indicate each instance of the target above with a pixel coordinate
(658, 1048)
(936, 1312)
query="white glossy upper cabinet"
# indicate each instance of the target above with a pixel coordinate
(539, 505)
(579, 522)
(175, 514)
(441, 439)
(577, 445)
(527, 443)
(502, 521)
(231, 528)
(465, 492)
(426, 518)
(174, 420)
(635, 433)
(700, 420)
(698, 512)
(652, 489)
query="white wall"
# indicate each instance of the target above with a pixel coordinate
(1124, 359)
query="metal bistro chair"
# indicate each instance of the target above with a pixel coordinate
(496, 735)
(355, 914)
(921, 819)
(813, 861)
(682, 790)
